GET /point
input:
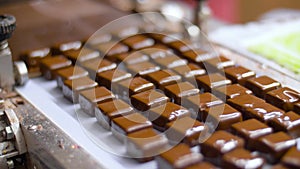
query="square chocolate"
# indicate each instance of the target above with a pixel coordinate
(111, 77)
(217, 64)
(179, 156)
(167, 37)
(32, 58)
(143, 68)
(72, 88)
(69, 73)
(136, 42)
(211, 81)
(145, 144)
(289, 123)
(157, 51)
(199, 55)
(98, 65)
(251, 130)
(50, 65)
(80, 55)
(273, 146)
(106, 111)
(184, 45)
(189, 72)
(145, 100)
(132, 58)
(111, 48)
(124, 125)
(161, 115)
(62, 47)
(88, 99)
(292, 158)
(180, 90)
(242, 102)
(233, 160)
(231, 91)
(163, 78)
(239, 74)
(98, 38)
(283, 98)
(186, 130)
(261, 85)
(170, 61)
(223, 115)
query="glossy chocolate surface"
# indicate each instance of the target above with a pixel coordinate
(231, 91)
(32, 58)
(98, 65)
(209, 82)
(49, 65)
(157, 51)
(261, 85)
(241, 103)
(198, 56)
(180, 90)
(145, 100)
(98, 95)
(111, 48)
(80, 83)
(143, 68)
(132, 58)
(110, 77)
(59, 48)
(184, 45)
(239, 74)
(189, 71)
(70, 73)
(171, 61)
(163, 78)
(81, 55)
(217, 64)
(263, 112)
(138, 42)
(133, 86)
(292, 158)
(283, 98)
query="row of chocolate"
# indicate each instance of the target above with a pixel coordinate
(174, 75)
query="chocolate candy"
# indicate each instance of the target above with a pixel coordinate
(292, 158)
(273, 146)
(109, 110)
(180, 90)
(186, 130)
(241, 103)
(143, 68)
(167, 37)
(297, 108)
(201, 165)
(81, 55)
(49, 65)
(111, 77)
(218, 144)
(98, 38)
(111, 48)
(89, 98)
(122, 126)
(157, 51)
(161, 115)
(171, 61)
(163, 78)
(231, 91)
(98, 65)
(223, 115)
(32, 58)
(145, 100)
(198, 56)
(132, 58)
(289, 123)
(251, 130)
(211, 81)
(283, 98)
(60, 48)
(241, 158)
(71, 88)
(239, 74)
(143, 145)
(69, 73)
(261, 85)
(217, 64)
(200, 102)
(177, 157)
(138, 42)
(184, 45)
(189, 72)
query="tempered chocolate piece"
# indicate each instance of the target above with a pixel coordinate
(198, 56)
(171, 61)
(202, 165)
(122, 126)
(60, 48)
(241, 103)
(132, 58)
(231, 91)
(186, 130)
(261, 85)
(292, 158)
(273, 146)
(69, 73)
(136, 42)
(189, 71)
(251, 130)
(179, 156)
(289, 123)
(180, 90)
(32, 58)
(223, 115)
(71, 88)
(263, 112)
(98, 65)
(217, 64)
(49, 65)
(142, 69)
(111, 77)
(157, 51)
(161, 115)
(200, 102)
(109, 110)
(143, 145)
(98, 39)
(126, 32)
(241, 159)
(239, 74)
(183, 45)
(220, 143)
(145, 100)
(211, 81)
(80, 55)
(163, 78)
(167, 37)
(283, 98)
(111, 48)
(297, 108)
(89, 98)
